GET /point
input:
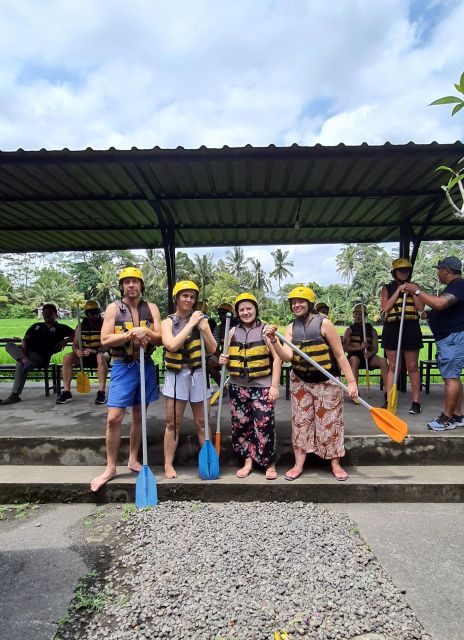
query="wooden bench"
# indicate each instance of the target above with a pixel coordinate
(47, 373)
(92, 373)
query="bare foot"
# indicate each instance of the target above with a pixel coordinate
(293, 473)
(338, 471)
(271, 473)
(134, 465)
(245, 470)
(102, 479)
(170, 472)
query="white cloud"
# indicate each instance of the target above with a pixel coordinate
(88, 73)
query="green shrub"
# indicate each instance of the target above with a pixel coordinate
(16, 311)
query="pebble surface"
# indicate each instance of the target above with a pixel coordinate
(243, 571)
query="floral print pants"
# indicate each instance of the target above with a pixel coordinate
(253, 424)
(317, 418)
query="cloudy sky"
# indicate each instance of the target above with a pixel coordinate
(101, 73)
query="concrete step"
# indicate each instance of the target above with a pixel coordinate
(421, 449)
(383, 483)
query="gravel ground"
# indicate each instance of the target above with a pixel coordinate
(242, 571)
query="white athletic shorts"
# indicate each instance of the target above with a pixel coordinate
(188, 385)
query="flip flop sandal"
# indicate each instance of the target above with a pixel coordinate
(291, 478)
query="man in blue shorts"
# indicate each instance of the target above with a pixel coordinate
(129, 323)
(446, 320)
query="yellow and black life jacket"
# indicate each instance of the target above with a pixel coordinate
(249, 355)
(189, 355)
(90, 333)
(357, 334)
(394, 315)
(125, 322)
(308, 338)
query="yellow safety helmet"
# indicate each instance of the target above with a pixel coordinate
(130, 272)
(226, 306)
(246, 296)
(305, 293)
(91, 304)
(184, 285)
(401, 263)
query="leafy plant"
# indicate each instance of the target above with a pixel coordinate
(457, 176)
(456, 100)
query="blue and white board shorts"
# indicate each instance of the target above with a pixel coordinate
(185, 384)
(450, 355)
(125, 384)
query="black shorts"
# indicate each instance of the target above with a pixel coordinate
(90, 362)
(412, 336)
(362, 360)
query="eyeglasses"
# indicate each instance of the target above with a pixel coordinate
(404, 270)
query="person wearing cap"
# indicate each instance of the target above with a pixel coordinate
(128, 325)
(446, 321)
(358, 350)
(316, 401)
(391, 301)
(214, 368)
(182, 360)
(92, 353)
(322, 308)
(40, 342)
(254, 370)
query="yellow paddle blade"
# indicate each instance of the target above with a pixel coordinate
(83, 383)
(394, 427)
(393, 400)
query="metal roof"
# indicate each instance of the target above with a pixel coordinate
(71, 200)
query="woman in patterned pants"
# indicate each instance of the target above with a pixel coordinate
(317, 402)
(254, 370)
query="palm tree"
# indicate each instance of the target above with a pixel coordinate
(280, 265)
(108, 284)
(347, 261)
(204, 270)
(236, 261)
(259, 279)
(51, 286)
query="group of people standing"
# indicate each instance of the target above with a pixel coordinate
(254, 359)
(132, 328)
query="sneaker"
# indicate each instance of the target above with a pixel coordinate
(415, 408)
(64, 397)
(12, 399)
(100, 398)
(442, 423)
(458, 420)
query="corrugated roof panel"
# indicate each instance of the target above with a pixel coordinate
(222, 196)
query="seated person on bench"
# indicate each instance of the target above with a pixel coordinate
(358, 350)
(41, 341)
(93, 355)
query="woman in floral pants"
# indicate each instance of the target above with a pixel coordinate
(317, 402)
(254, 370)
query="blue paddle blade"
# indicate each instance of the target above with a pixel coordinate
(146, 494)
(208, 462)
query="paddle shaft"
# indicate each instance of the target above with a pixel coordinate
(143, 406)
(363, 320)
(400, 337)
(79, 334)
(223, 374)
(205, 391)
(321, 369)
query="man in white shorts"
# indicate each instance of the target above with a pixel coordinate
(182, 359)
